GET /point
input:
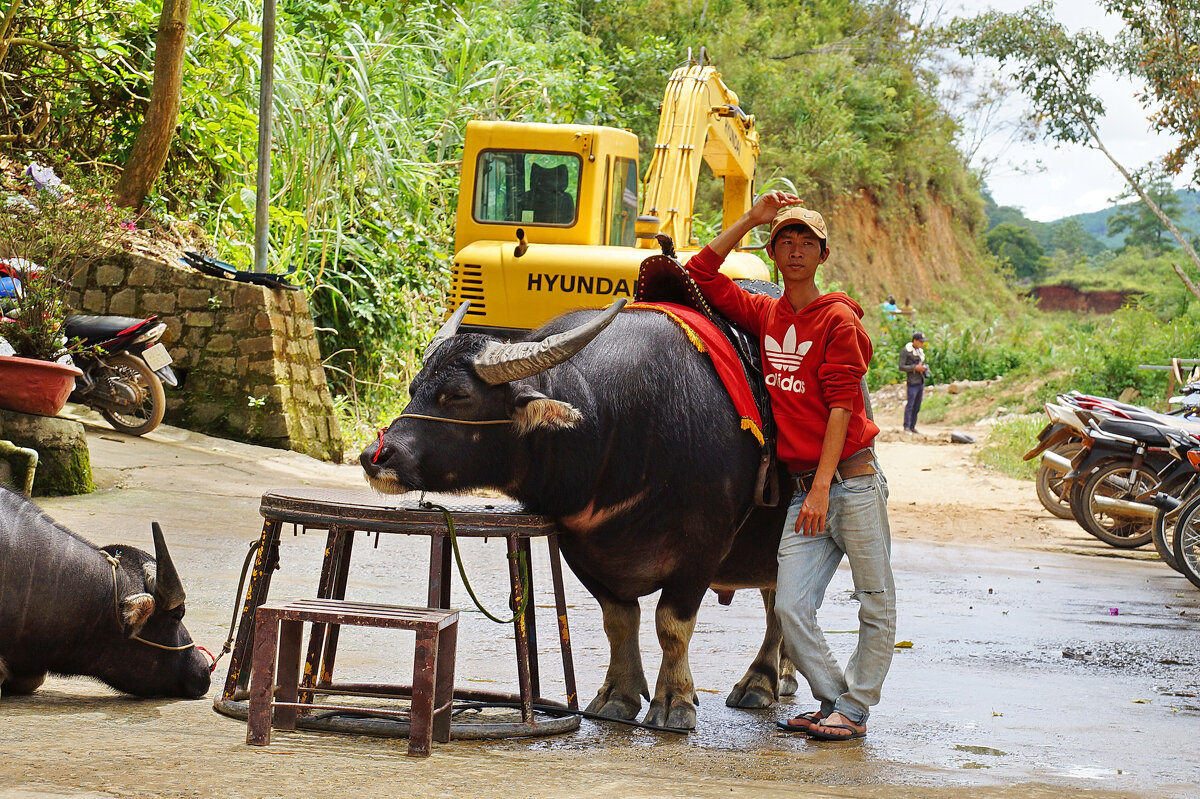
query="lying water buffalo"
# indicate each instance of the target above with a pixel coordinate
(69, 608)
(634, 447)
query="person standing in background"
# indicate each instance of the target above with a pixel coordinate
(912, 363)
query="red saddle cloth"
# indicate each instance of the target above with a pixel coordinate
(706, 338)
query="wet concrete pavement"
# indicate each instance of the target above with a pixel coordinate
(1018, 673)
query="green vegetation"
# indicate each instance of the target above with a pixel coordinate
(1140, 227)
(1096, 222)
(1017, 247)
(371, 102)
(1058, 352)
(1066, 253)
(1057, 71)
(66, 232)
(1009, 439)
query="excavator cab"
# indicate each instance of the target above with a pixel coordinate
(548, 215)
(528, 188)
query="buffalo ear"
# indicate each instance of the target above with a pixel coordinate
(533, 410)
(136, 610)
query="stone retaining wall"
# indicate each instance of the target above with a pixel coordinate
(247, 355)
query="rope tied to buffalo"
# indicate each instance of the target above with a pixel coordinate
(522, 567)
(113, 563)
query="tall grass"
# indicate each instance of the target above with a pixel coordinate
(369, 116)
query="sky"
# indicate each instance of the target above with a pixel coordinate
(1072, 179)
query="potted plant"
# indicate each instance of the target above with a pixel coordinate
(47, 236)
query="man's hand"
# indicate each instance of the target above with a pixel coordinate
(811, 520)
(761, 213)
(764, 209)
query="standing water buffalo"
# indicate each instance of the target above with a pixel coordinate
(633, 446)
(69, 608)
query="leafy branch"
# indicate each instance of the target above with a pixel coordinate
(1055, 71)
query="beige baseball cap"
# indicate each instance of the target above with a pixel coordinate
(796, 215)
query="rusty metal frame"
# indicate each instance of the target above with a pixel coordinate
(341, 514)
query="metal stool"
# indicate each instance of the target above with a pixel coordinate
(278, 630)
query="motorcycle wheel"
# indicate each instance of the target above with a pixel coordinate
(1051, 490)
(1187, 540)
(148, 412)
(1079, 511)
(1115, 479)
(1162, 535)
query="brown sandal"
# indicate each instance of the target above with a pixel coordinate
(821, 732)
(802, 723)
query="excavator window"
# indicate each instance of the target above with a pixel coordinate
(623, 203)
(523, 187)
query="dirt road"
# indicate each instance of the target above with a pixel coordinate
(1019, 682)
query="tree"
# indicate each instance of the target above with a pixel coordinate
(1019, 248)
(1055, 70)
(1070, 237)
(1144, 228)
(1161, 46)
(150, 148)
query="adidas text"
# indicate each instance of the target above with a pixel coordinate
(787, 383)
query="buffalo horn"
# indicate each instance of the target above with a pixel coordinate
(448, 330)
(167, 587)
(500, 363)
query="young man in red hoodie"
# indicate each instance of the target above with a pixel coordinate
(815, 353)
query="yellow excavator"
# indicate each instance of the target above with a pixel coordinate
(548, 220)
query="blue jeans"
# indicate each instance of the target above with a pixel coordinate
(856, 526)
(916, 391)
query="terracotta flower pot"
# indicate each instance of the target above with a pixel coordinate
(32, 386)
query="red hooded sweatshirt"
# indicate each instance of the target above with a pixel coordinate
(814, 359)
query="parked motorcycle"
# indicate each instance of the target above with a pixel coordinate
(124, 367)
(1121, 467)
(1103, 460)
(1186, 539)
(1057, 444)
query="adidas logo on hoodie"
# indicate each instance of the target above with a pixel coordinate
(785, 356)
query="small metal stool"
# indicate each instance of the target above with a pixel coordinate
(278, 630)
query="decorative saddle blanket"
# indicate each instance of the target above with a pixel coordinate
(665, 286)
(706, 338)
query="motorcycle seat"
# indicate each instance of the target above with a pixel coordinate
(1148, 434)
(1185, 424)
(93, 329)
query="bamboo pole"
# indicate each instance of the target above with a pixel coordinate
(5, 25)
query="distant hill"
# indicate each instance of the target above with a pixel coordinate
(1050, 235)
(1096, 222)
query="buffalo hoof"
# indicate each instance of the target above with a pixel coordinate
(611, 706)
(787, 677)
(788, 684)
(681, 714)
(750, 696)
(755, 690)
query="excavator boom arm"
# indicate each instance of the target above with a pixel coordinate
(700, 121)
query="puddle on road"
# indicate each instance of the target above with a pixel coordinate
(1089, 772)
(979, 750)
